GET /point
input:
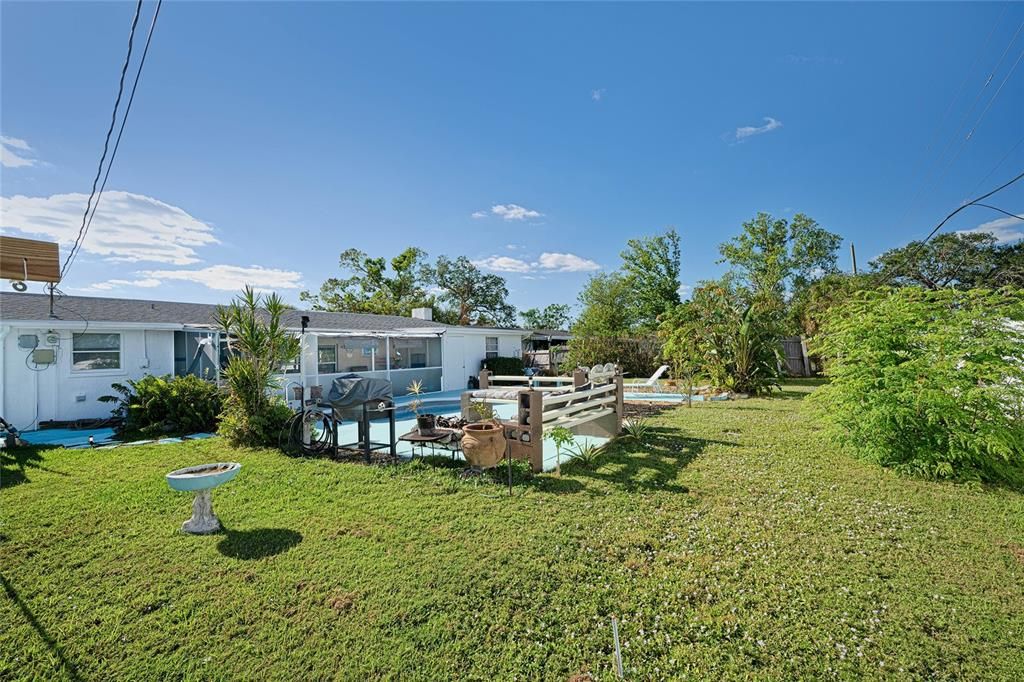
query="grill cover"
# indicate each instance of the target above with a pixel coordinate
(349, 392)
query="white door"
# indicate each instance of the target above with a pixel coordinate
(454, 362)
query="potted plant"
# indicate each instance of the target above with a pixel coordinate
(483, 442)
(425, 423)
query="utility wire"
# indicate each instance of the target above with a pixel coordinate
(996, 208)
(974, 202)
(999, 163)
(928, 186)
(124, 120)
(106, 142)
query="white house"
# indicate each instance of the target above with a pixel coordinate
(54, 368)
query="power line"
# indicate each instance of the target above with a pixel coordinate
(106, 142)
(996, 208)
(974, 202)
(928, 186)
(124, 120)
(999, 163)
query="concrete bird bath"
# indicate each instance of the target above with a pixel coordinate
(200, 480)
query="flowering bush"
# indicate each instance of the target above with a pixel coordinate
(929, 382)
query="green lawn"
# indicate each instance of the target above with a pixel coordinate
(736, 543)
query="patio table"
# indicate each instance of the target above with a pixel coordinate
(441, 436)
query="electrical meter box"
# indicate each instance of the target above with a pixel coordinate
(43, 356)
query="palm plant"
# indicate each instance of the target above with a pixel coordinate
(258, 344)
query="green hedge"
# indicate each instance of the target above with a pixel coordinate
(509, 366)
(929, 382)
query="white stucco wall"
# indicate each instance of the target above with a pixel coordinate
(55, 392)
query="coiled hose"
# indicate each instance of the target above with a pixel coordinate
(320, 426)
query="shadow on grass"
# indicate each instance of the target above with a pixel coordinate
(649, 465)
(14, 462)
(44, 634)
(258, 543)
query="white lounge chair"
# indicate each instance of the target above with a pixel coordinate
(651, 382)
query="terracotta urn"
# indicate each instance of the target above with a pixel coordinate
(483, 444)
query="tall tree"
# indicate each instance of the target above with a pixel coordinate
(373, 288)
(472, 297)
(608, 307)
(650, 266)
(774, 257)
(957, 260)
(552, 316)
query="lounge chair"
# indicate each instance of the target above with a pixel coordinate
(651, 383)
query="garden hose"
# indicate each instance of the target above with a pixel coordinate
(320, 426)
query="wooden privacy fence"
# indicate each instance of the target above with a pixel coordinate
(588, 403)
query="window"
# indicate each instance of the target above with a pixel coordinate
(491, 349)
(327, 359)
(94, 351)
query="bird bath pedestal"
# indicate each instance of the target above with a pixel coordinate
(200, 480)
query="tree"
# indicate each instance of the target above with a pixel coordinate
(810, 305)
(650, 267)
(373, 288)
(552, 316)
(957, 260)
(472, 297)
(774, 257)
(608, 307)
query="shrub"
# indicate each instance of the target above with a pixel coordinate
(259, 345)
(506, 366)
(929, 382)
(638, 356)
(156, 406)
(719, 335)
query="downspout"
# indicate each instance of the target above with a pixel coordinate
(3, 366)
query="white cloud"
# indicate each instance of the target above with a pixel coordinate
(547, 262)
(112, 284)
(503, 264)
(685, 290)
(566, 262)
(514, 212)
(513, 247)
(9, 158)
(746, 132)
(597, 95)
(479, 214)
(127, 227)
(1006, 230)
(232, 277)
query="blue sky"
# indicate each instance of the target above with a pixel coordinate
(533, 138)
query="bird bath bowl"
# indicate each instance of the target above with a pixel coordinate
(200, 480)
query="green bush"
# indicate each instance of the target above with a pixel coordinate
(506, 366)
(718, 334)
(156, 406)
(638, 356)
(929, 382)
(254, 429)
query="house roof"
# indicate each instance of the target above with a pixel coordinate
(14, 306)
(550, 333)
